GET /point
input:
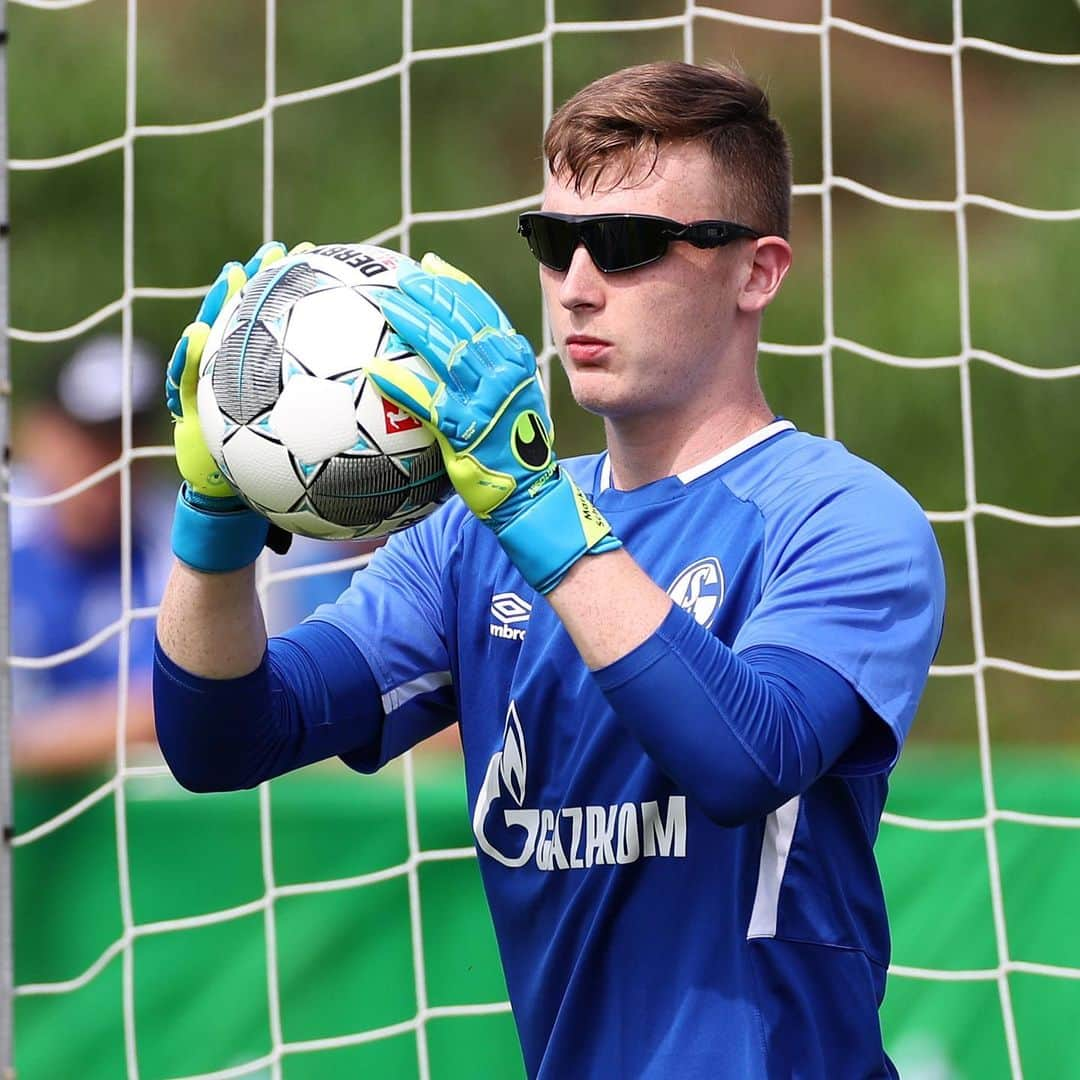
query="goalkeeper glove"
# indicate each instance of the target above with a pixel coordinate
(486, 410)
(213, 530)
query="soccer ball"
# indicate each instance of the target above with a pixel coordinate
(286, 410)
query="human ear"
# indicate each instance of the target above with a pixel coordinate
(770, 263)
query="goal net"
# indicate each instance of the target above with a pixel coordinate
(325, 924)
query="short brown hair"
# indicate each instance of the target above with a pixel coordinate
(641, 108)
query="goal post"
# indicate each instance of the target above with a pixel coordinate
(7, 974)
(928, 323)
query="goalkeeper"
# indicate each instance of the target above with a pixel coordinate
(682, 668)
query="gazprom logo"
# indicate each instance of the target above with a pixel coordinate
(567, 837)
(699, 589)
(505, 781)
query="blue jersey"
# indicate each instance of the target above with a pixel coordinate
(61, 597)
(638, 937)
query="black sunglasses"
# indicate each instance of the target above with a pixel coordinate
(619, 241)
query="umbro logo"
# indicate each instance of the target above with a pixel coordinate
(508, 608)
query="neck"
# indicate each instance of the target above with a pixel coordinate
(648, 447)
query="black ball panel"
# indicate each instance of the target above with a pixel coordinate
(365, 490)
(247, 373)
(247, 370)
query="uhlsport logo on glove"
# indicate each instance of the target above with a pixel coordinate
(530, 441)
(570, 837)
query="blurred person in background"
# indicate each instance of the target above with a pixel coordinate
(67, 561)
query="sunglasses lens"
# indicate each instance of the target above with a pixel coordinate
(551, 241)
(621, 243)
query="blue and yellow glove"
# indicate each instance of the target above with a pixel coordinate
(487, 412)
(213, 530)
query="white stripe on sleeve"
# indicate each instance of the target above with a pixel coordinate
(397, 696)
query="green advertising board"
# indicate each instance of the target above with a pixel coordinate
(206, 995)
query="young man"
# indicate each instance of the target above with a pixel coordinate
(682, 668)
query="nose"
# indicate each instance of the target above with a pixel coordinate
(582, 285)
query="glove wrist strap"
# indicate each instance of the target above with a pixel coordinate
(216, 535)
(553, 532)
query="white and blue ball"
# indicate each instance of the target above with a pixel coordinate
(288, 414)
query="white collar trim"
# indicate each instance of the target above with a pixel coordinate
(733, 451)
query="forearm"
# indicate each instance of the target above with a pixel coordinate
(212, 624)
(609, 606)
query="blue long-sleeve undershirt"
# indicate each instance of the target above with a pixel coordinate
(226, 734)
(740, 734)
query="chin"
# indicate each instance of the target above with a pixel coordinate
(599, 391)
(597, 408)
(609, 406)
(589, 393)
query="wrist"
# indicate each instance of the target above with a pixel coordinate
(216, 535)
(211, 504)
(555, 530)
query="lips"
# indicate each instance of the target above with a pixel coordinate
(581, 348)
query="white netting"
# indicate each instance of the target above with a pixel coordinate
(689, 21)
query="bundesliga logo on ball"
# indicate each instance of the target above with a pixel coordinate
(288, 413)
